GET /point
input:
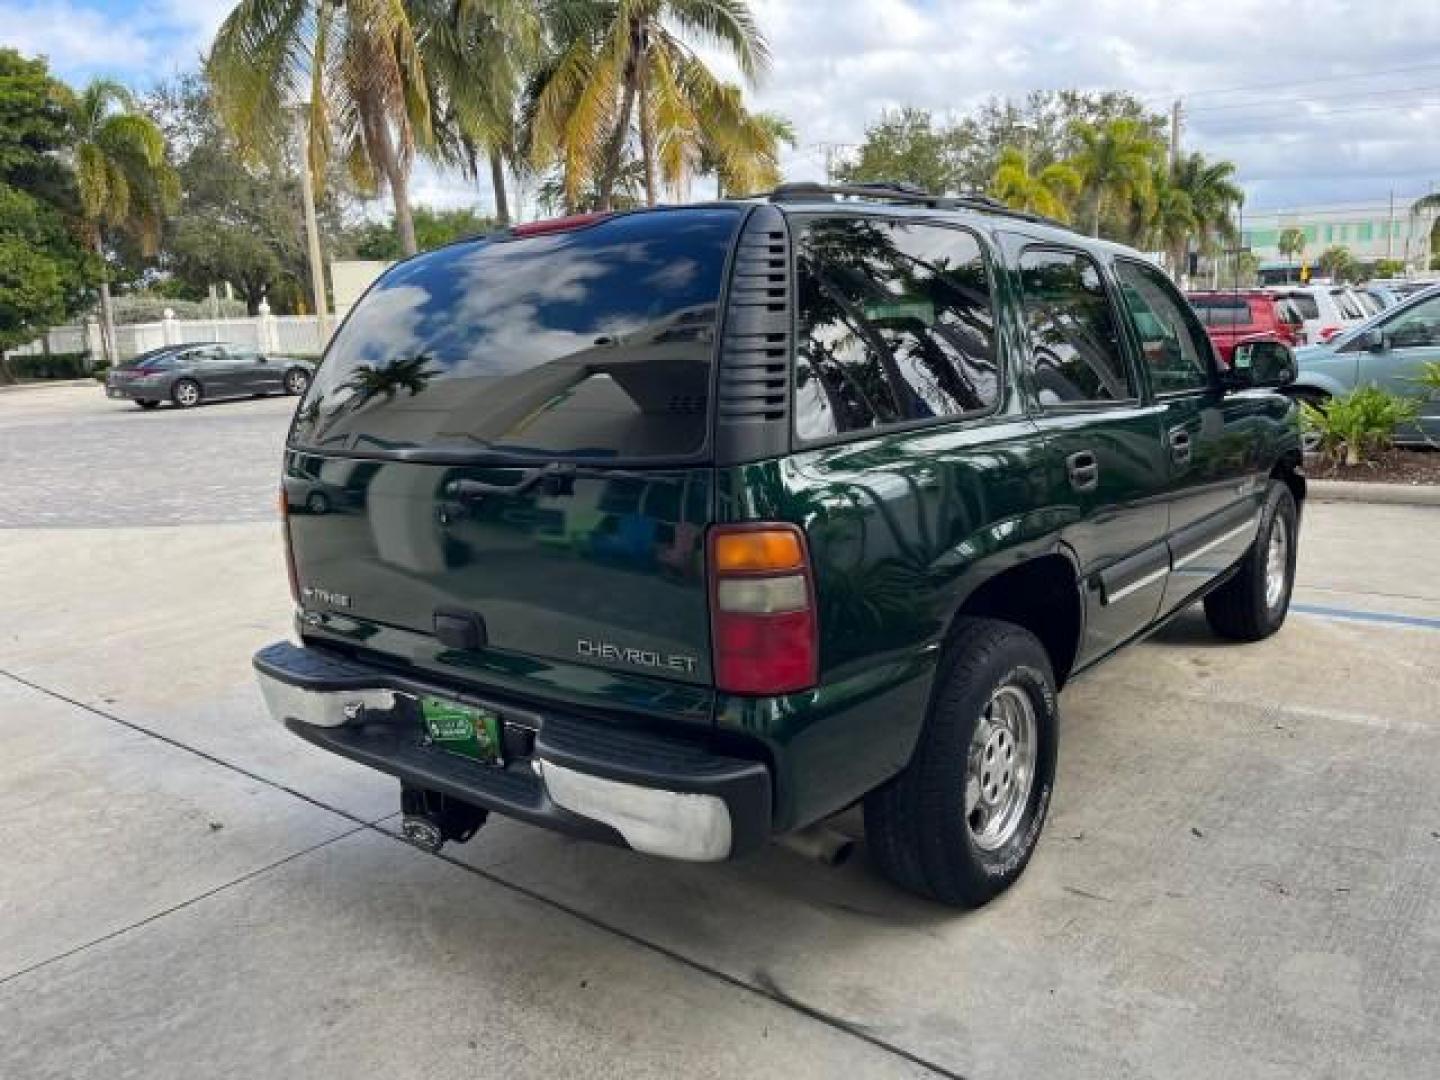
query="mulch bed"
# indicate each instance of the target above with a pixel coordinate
(1391, 467)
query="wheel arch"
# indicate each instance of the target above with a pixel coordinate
(1041, 594)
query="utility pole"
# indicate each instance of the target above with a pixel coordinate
(1176, 111)
(312, 228)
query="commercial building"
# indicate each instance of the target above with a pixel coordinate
(1373, 230)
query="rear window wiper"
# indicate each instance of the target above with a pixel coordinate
(557, 478)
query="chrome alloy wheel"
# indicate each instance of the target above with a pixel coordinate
(296, 382)
(1277, 564)
(187, 394)
(1001, 767)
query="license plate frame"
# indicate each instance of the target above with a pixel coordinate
(469, 731)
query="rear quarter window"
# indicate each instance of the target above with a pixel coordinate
(896, 326)
(591, 344)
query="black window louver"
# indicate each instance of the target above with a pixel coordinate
(753, 400)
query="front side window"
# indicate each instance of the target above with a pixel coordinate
(1075, 352)
(895, 326)
(1418, 328)
(1170, 345)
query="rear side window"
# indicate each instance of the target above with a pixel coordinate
(895, 326)
(1347, 303)
(1305, 304)
(590, 344)
(1075, 353)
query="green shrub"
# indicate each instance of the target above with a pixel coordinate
(54, 366)
(1359, 424)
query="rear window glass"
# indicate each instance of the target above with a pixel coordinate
(592, 344)
(1222, 310)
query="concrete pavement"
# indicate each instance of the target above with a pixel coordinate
(1239, 876)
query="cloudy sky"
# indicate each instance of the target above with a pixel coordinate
(1315, 100)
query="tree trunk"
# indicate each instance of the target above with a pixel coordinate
(1095, 218)
(383, 147)
(615, 151)
(400, 193)
(647, 143)
(497, 180)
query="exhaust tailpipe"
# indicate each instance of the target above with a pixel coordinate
(825, 845)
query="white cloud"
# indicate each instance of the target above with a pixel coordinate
(74, 38)
(839, 63)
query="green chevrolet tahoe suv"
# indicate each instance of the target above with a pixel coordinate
(683, 529)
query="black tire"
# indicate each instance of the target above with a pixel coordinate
(297, 381)
(916, 825)
(317, 503)
(181, 393)
(147, 404)
(1242, 608)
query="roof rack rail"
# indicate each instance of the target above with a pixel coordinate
(899, 191)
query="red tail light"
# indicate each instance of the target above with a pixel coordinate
(289, 547)
(762, 603)
(557, 225)
(1328, 332)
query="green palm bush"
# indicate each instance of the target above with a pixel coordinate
(1357, 425)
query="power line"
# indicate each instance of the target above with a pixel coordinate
(1312, 99)
(1303, 82)
(1394, 106)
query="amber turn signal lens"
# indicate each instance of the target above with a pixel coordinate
(758, 549)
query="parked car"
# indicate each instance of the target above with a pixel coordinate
(1252, 314)
(1388, 351)
(1327, 309)
(190, 374)
(693, 526)
(1389, 293)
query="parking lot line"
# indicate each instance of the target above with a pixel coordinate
(1384, 617)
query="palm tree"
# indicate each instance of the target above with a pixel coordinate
(1214, 197)
(1291, 243)
(1116, 159)
(361, 66)
(1167, 218)
(1050, 191)
(741, 149)
(616, 57)
(1336, 262)
(476, 52)
(123, 177)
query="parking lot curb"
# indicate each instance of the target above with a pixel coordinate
(1357, 491)
(42, 384)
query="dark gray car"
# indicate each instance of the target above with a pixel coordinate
(189, 374)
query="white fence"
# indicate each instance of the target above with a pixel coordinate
(280, 334)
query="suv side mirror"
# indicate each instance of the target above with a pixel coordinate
(1373, 340)
(1261, 363)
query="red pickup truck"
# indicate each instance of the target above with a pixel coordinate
(1250, 314)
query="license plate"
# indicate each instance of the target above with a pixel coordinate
(462, 729)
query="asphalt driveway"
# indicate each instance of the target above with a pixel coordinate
(1241, 875)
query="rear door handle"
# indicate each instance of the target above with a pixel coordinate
(1084, 470)
(1180, 446)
